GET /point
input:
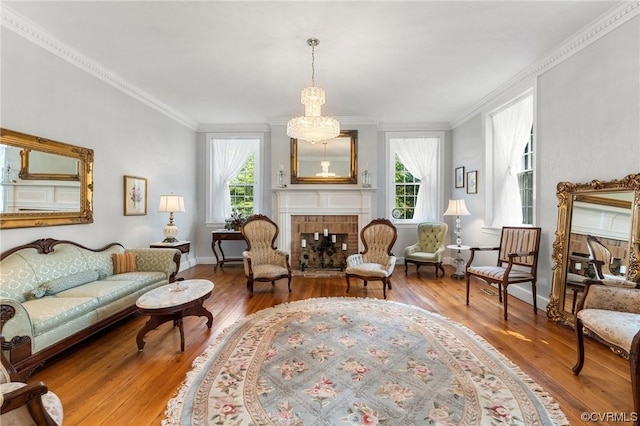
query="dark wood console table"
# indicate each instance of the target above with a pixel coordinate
(220, 236)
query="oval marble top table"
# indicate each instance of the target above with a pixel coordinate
(172, 302)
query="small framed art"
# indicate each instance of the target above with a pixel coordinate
(472, 182)
(459, 177)
(135, 196)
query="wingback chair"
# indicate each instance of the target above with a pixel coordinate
(262, 260)
(612, 315)
(430, 246)
(517, 262)
(27, 404)
(376, 262)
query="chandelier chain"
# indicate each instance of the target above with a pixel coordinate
(313, 64)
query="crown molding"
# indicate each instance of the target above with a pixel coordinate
(410, 127)
(20, 25)
(234, 128)
(351, 120)
(606, 23)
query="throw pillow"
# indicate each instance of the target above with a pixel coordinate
(125, 262)
(57, 285)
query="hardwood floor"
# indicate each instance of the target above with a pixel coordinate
(106, 381)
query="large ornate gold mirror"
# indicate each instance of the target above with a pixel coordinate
(330, 161)
(44, 182)
(606, 212)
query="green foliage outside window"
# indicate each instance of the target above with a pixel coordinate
(242, 188)
(406, 190)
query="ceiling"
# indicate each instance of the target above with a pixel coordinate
(232, 62)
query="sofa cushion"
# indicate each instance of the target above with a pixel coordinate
(50, 312)
(124, 262)
(111, 289)
(57, 285)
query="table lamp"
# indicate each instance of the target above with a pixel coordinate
(457, 208)
(171, 204)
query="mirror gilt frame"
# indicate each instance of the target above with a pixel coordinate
(353, 157)
(28, 143)
(567, 193)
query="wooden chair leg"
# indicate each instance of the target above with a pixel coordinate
(348, 283)
(389, 283)
(436, 266)
(441, 269)
(505, 297)
(580, 342)
(405, 267)
(289, 283)
(468, 277)
(384, 289)
(535, 298)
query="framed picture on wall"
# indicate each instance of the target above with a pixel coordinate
(135, 196)
(459, 177)
(472, 182)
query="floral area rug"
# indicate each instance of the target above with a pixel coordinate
(334, 361)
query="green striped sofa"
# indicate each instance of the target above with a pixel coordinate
(56, 293)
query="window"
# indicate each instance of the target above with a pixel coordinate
(512, 168)
(414, 172)
(233, 176)
(241, 188)
(406, 191)
(525, 182)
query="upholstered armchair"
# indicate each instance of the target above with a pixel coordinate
(430, 246)
(517, 263)
(27, 404)
(612, 316)
(262, 260)
(376, 262)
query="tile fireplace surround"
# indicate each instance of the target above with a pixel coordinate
(308, 210)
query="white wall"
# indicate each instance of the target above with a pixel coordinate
(586, 127)
(46, 96)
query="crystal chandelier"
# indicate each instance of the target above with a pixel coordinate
(313, 127)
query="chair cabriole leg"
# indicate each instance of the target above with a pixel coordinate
(580, 341)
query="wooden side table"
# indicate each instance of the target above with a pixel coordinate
(220, 236)
(183, 246)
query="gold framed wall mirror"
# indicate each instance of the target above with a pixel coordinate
(606, 212)
(44, 182)
(330, 161)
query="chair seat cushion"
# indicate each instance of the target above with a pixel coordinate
(497, 273)
(422, 257)
(268, 271)
(616, 328)
(374, 270)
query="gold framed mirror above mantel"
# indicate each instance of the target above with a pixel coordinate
(44, 182)
(607, 211)
(330, 161)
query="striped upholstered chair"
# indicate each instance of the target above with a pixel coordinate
(517, 262)
(262, 260)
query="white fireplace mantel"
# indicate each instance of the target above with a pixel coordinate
(311, 201)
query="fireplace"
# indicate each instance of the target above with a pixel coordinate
(341, 212)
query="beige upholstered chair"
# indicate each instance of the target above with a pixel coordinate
(262, 260)
(612, 315)
(27, 404)
(517, 262)
(376, 262)
(430, 246)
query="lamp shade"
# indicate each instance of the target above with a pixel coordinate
(171, 203)
(457, 208)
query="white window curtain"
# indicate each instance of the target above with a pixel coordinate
(420, 157)
(511, 131)
(229, 156)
